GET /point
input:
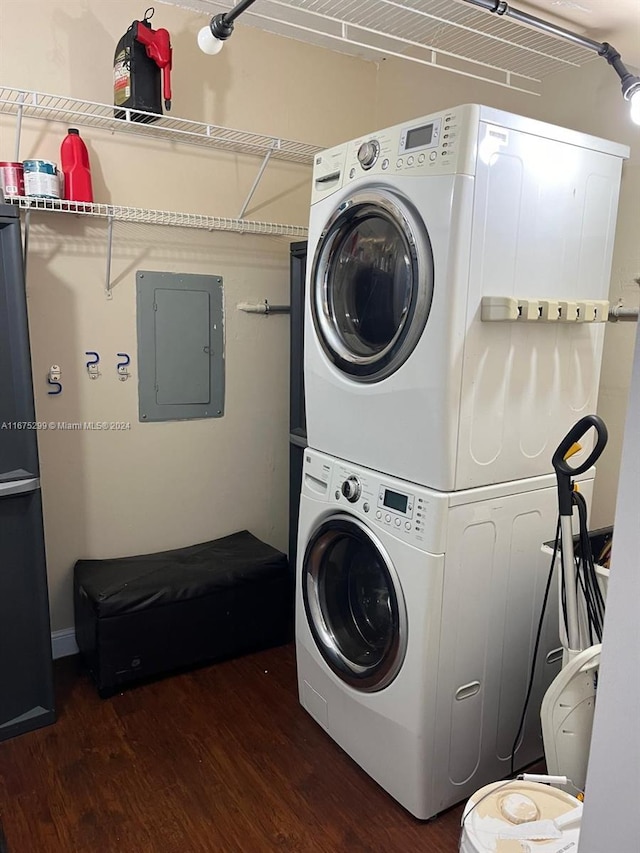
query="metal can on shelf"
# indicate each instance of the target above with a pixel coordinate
(41, 179)
(11, 178)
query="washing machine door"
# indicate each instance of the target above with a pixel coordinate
(372, 284)
(354, 603)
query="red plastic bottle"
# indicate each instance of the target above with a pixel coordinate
(74, 159)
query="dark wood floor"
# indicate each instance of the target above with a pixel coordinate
(219, 759)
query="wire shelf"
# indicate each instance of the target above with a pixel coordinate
(446, 34)
(59, 108)
(159, 217)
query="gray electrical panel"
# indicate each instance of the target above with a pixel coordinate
(180, 346)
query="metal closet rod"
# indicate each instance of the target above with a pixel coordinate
(630, 82)
(263, 308)
(618, 313)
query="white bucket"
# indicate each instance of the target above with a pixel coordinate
(521, 817)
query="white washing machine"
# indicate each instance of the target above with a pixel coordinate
(410, 227)
(416, 615)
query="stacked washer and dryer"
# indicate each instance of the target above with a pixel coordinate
(427, 486)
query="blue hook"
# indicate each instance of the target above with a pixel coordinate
(95, 360)
(123, 363)
(58, 384)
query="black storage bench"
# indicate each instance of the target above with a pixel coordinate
(143, 616)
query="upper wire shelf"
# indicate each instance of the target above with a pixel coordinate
(46, 107)
(446, 34)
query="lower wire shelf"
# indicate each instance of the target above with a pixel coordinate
(159, 217)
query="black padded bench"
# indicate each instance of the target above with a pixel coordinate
(143, 616)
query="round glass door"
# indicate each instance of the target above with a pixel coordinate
(354, 604)
(372, 285)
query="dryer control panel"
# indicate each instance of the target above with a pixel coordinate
(440, 144)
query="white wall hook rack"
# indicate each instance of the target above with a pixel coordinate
(533, 310)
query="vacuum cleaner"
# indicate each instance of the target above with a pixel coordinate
(529, 812)
(569, 703)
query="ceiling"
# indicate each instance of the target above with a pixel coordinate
(614, 21)
(449, 34)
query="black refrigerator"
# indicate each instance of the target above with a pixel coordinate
(26, 673)
(297, 415)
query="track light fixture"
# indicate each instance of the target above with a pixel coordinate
(630, 83)
(211, 38)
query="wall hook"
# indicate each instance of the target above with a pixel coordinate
(53, 378)
(92, 366)
(123, 373)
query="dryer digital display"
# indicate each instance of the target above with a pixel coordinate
(418, 136)
(395, 501)
(422, 136)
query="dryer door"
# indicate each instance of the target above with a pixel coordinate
(354, 603)
(372, 284)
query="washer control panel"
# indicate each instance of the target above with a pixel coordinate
(408, 512)
(387, 505)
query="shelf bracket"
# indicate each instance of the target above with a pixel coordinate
(25, 251)
(108, 290)
(256, 182)
(19, 126)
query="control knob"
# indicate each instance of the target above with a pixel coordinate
(368, 153)
(351, 489)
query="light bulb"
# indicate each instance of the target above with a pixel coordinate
(208, 43)
(634, 102)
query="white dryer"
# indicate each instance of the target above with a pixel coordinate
(410, 227)
(416, 614)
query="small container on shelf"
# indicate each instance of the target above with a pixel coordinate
(76, 168)
(41, 179)
(11, 178)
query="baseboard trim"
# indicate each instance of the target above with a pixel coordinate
(63, 643)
